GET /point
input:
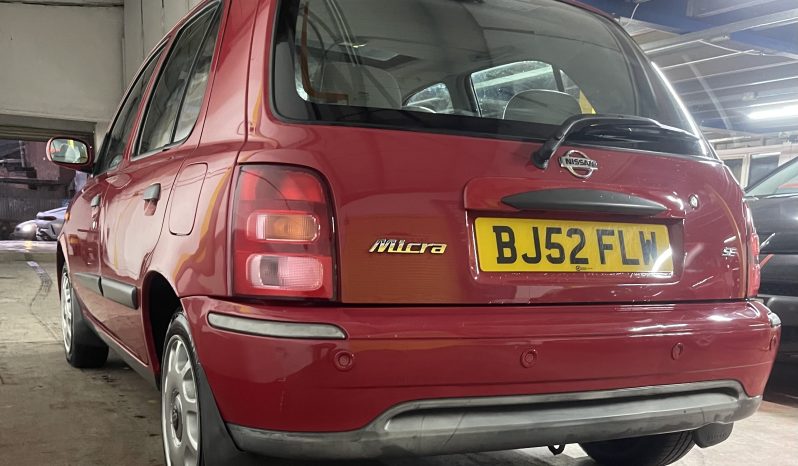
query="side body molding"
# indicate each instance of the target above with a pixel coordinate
(118, 292)
(90, 281)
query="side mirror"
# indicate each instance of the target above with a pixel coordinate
(70, 153)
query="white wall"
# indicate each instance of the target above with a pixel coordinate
(748, 155)
(61, 62)
(146, 22)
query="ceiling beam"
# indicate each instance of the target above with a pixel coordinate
(713, 71)
(781, 18)
(705, 8)
(740, 79)
(671, 15)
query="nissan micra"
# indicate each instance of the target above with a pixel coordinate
(340, 229)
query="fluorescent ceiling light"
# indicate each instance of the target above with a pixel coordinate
(775, 113)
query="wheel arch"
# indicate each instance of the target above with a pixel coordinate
(60, 261)
(159, 300)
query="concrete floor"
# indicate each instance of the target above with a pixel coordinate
(55, 415)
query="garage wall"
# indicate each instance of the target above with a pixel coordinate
(749, 164)
(146, 22)
(61, 62)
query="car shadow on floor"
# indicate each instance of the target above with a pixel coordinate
(502, 458)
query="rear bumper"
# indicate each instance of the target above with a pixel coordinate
(360, 380)
(434, 427)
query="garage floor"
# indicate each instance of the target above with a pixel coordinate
(55, 415)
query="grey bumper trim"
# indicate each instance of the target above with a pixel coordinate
(434, 427)
(270, 328)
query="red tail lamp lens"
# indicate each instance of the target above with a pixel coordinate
(282, 234)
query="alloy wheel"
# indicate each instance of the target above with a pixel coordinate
(66, 311)
(180, 417)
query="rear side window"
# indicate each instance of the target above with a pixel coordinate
(521, 68)
(175, 103)
(115, 142)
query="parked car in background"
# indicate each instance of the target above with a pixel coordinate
(313, 261)
(774, 206)
(25, 231)
(49, 224)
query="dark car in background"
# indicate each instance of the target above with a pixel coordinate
(774, 206)
(49, 224)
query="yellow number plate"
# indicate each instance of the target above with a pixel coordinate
(522, 245)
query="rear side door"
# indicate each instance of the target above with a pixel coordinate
(137, 196)
(86, 215)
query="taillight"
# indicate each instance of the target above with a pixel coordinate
(754, 280)
(282, 234)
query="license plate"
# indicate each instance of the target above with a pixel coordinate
(524, 245)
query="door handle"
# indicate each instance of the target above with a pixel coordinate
(95, 211)
(153, 193)
(151, 197)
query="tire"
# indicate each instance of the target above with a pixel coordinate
(181, 422)
(212, 440)
(653, 450)
(82, 347)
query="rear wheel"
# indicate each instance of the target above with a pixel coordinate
(82, 347)
(653, 450)
(180, 406)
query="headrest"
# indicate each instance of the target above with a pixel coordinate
(542, 106)
(363, 86)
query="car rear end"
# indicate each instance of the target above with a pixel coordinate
(405, 280)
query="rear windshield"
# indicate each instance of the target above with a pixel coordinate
(506, 68)
(781, 183)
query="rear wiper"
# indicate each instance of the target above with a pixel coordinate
(577, 123)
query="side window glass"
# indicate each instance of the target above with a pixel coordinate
(115, 142)
(195, 92)
(164, 107)
(434, 99)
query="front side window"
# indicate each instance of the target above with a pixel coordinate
(174, 105)
(515, 68)
(115, 142)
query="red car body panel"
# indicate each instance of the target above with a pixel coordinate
(418, 327)
(404, 354)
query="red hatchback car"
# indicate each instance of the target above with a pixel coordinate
(368, 228)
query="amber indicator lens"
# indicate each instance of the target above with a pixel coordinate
(284, 227)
